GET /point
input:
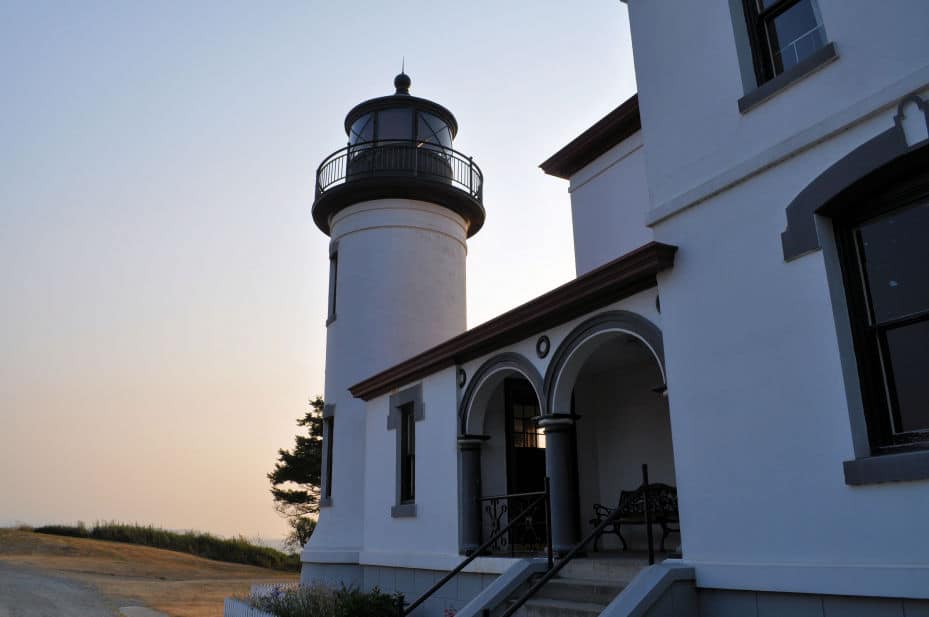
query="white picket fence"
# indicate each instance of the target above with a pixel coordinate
(237, 608)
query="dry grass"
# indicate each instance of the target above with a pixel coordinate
(181, 585)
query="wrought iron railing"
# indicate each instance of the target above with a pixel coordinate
(400, 158)
(529, 536)
(543, 499)
(579, 550)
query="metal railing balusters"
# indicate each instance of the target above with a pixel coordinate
(420, 159)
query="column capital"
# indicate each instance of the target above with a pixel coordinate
(555, 420)
(471, 441)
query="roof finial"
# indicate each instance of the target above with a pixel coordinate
(402, 81)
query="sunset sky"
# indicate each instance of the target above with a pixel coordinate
(164, 287)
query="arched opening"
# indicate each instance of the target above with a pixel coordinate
(624, 423)
(609, 379)
(499, 419)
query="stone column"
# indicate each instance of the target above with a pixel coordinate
(561, 467)
(469, 487)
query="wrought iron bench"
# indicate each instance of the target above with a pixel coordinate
(662, 507)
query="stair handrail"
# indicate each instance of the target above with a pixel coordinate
(543, 497)
(553, 571)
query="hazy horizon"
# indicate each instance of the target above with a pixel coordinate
(164, 285)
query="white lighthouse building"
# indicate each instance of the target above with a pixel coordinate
(734, 385)
(399, 205)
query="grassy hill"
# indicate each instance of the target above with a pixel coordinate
(178, 584)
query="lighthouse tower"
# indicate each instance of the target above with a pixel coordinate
(398, 204)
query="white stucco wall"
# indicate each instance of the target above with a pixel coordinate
(609, 200)
(759, 405)
(401, 290)
(689, 80)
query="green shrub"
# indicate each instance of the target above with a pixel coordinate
(320, 601)
(235, 550)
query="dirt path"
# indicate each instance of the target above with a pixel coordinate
(52, 575)
(27, 592)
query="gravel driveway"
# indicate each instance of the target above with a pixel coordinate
(25, 592)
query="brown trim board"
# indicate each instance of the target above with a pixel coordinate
(610, 130)
(633, 272)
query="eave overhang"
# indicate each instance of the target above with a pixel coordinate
(609, 131)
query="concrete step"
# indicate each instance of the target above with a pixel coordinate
(617, 571)
(539, 607)
(580, 590)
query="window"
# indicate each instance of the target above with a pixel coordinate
(884, 249)
(329, 434)
(325, 498)
(333, 282)
(782, 33)
(407, 454)
(406, 409)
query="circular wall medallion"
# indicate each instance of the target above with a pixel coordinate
(462, 378)
(542, 346)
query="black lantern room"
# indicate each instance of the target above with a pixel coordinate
(399, 146)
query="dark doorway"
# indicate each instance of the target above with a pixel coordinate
(525, 457)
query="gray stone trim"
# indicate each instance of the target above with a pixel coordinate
(743, 46)
(800, 237)
(651, 586)
(505, 360)
(903, 467)
(610, 320)
(403, 510)
(414, 395)
(809, 65)
(326, 502)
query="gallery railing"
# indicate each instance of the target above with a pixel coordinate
(543, 499)
(400, 158)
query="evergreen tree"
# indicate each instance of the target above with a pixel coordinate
(295, 479)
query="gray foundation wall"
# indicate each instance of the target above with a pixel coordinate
(408, 581)
(683, 600)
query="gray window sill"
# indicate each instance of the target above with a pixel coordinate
(403, 510)
(808, 66)
(325, 502)
(904, 467)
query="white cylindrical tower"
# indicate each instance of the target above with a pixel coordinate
(398, 204)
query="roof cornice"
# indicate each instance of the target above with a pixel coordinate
(633, 272)
(613, 128)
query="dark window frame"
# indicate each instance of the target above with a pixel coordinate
(325, 498)
(329, 428)
(333, 281)
(406, 409)
(868, 337)
(407, 453)
(758, 20)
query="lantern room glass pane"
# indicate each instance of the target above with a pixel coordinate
(362, 129)
(395, 124)
(431, 129)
